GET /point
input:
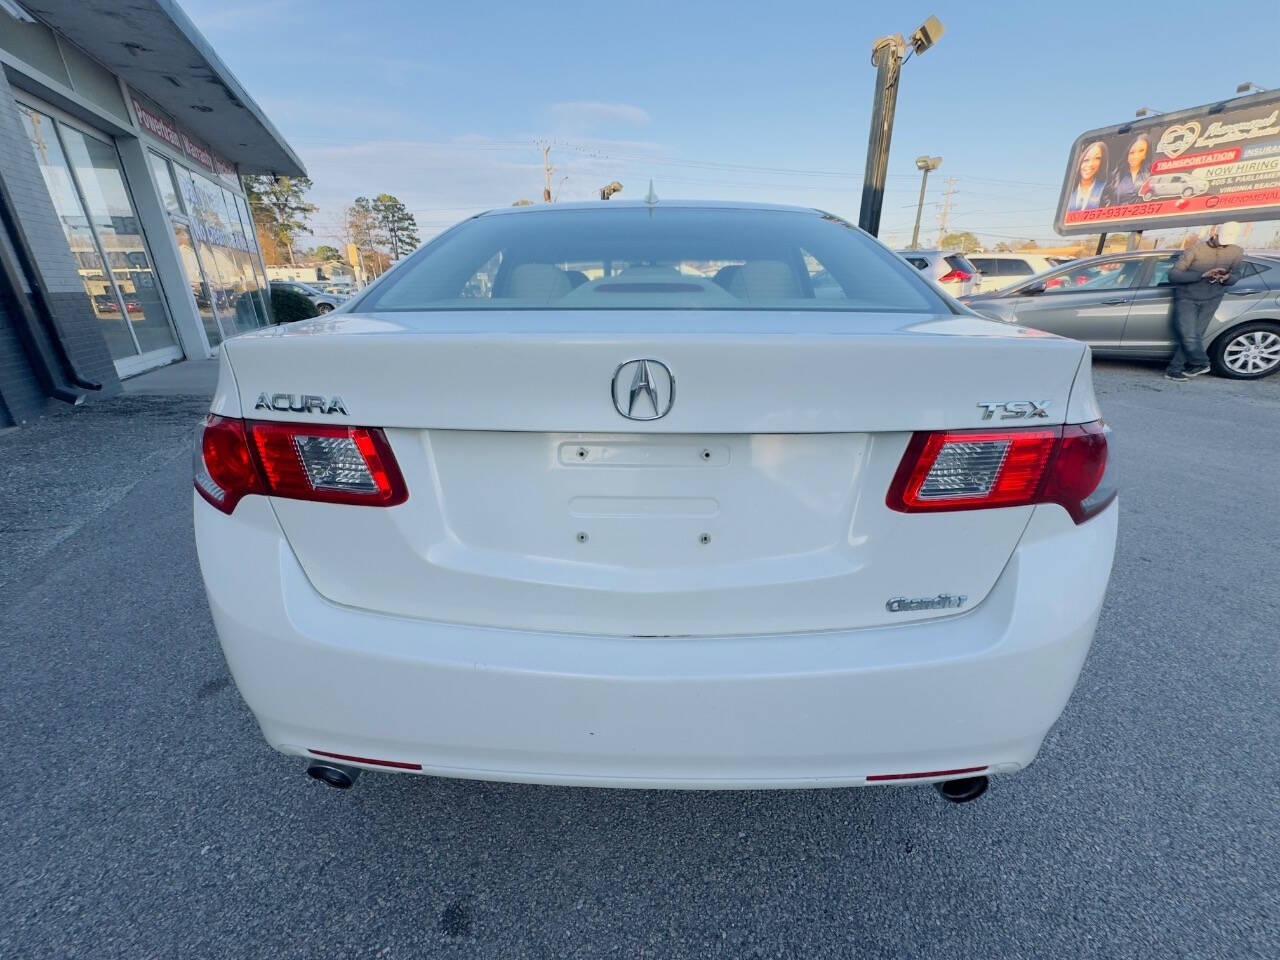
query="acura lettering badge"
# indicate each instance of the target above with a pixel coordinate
(300, 403)
(643, 389)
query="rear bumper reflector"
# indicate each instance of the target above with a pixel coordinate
(925, 774)
(369, 760)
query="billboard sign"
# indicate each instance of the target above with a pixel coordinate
(1200, 166)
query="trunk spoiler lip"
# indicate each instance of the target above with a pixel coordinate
(594, 324)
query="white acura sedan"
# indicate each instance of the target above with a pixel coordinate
(619, 494)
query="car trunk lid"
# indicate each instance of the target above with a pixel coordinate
(756, 505)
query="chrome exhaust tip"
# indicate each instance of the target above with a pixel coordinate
(963, 790)
(334, 774)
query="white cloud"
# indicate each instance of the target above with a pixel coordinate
(583, 114)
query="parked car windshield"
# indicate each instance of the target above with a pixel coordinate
(685, 258)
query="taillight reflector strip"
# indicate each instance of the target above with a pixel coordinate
(927, 773)
(394, 764)
(980, 469)
(298, 461)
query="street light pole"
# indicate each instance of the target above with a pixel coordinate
(887, 53)
(924, 164)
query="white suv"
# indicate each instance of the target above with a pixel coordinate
(952, 272)
(472, 529)
(1000, 270)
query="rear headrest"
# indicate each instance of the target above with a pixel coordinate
(724, 276)
(764, 280)
(538, 281)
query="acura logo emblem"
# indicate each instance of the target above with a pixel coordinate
(643, 389)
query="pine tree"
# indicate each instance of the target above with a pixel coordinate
(279, 208)
(398, 229)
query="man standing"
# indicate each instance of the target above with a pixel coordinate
(1200, 279)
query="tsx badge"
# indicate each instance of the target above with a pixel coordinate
(1015, 409)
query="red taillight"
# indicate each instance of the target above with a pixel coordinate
(328, 463)
(1076, 478)
(300, 461)
(979, 469)
(224, 469)
(956, 276)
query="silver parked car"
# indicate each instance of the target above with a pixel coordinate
(1121, 304)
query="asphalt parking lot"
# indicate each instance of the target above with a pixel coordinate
(145, 817)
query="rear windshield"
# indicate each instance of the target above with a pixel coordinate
(958, 261)
(678, 258)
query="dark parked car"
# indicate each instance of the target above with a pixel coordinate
(324, 301)
(1120, 305)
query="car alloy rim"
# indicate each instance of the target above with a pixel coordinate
(1253, 352)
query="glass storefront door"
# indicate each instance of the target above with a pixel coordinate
(218, 249)
(89, 193)
(75, 226)
(97, 168)
(200, 291)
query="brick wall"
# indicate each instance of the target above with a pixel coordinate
(20, 395)
(74, 314)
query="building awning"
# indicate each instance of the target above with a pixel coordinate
(158, 51)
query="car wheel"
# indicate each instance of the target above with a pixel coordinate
(1249, 352)
(324, 307)
(1188, 193)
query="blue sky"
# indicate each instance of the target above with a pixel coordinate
(443, 104)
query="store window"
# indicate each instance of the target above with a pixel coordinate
(97, 169)
(89, 194)
(163, 174)
(201, 292)
(217, 251)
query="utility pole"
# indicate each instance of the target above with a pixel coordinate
(887, 54)
(946, 207)
(546, 171)
(924, 164)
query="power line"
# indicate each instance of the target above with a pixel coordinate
(661, 160)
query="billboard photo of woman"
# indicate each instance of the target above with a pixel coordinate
(1090, 187)
(1130, 175)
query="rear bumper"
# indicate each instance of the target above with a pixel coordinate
(980, 689)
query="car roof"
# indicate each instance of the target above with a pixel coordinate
(1142, 254)
(641, 204)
